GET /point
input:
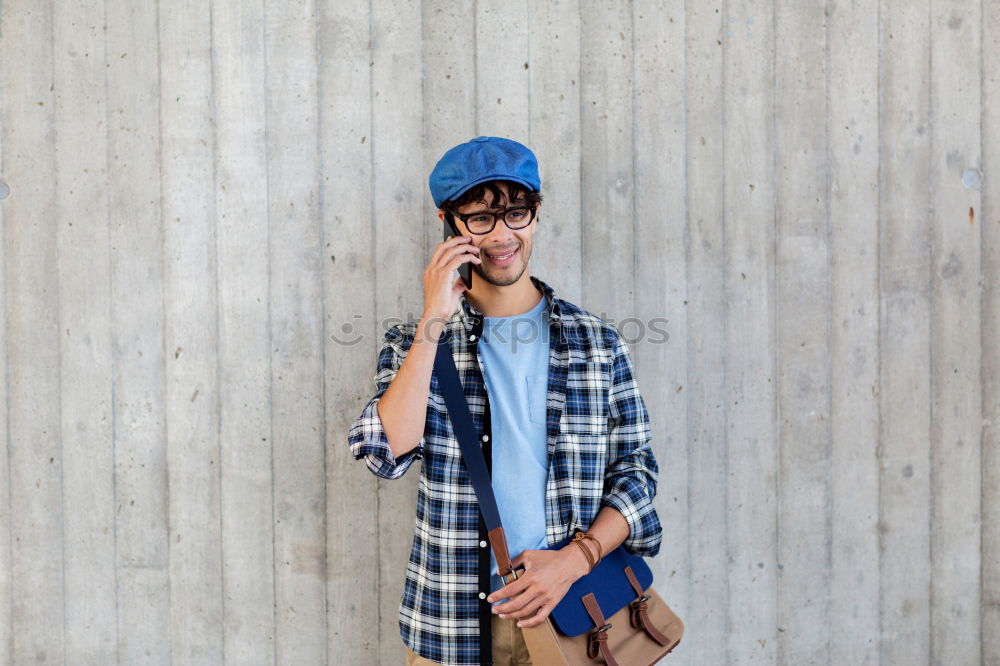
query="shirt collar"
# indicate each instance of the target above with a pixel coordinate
(471, 317)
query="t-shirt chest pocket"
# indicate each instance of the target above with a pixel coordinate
(537, 394)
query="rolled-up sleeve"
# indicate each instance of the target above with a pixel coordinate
(631, 474)
(367, 435)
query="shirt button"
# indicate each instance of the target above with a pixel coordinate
(486, 438)
(482, 595)
(472, 338)
(482, 544)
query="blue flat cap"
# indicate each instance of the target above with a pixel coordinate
(482, 159)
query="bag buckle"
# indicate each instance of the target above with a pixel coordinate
(638, 607)
(513, 575)
(597, 638)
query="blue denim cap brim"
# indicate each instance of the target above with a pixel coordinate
(480, 160)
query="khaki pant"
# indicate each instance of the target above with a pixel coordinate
(508, 646)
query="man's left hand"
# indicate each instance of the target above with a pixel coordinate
(546, 578)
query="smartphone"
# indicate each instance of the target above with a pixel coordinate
(464, 270)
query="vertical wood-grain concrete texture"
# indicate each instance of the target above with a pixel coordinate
(904, 332)
(750, 228)
(790, 210)
(190, 298)
(86, 353)
(245, 389)
(141, 474)
(853, 227)
(990, 324)
(802, 336)
(345, 145)
(702, 395)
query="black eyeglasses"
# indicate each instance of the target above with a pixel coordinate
(517, 217)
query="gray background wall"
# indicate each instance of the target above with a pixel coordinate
(217, 208)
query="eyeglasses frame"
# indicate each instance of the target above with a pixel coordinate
(502, 215)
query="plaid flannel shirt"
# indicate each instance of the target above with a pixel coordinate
(599, 455)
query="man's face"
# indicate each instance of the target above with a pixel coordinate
(499, 242)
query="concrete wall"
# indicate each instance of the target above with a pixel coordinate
(217, 208)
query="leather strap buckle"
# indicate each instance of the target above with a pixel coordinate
(597, 638)
(638, 608)
(514, 574)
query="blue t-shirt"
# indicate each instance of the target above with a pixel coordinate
(515, 354)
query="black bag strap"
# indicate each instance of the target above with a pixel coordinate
(472, 452)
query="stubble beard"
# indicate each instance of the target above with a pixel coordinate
(506, 281)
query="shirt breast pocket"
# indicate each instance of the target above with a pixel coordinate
(586, 403)
(537, 392)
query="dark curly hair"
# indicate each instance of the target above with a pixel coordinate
(477, 194)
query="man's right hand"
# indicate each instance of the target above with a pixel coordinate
(441, 292)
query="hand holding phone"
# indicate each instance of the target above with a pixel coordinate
(465, 269)
(441, 290)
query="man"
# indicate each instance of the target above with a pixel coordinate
(564, 430)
